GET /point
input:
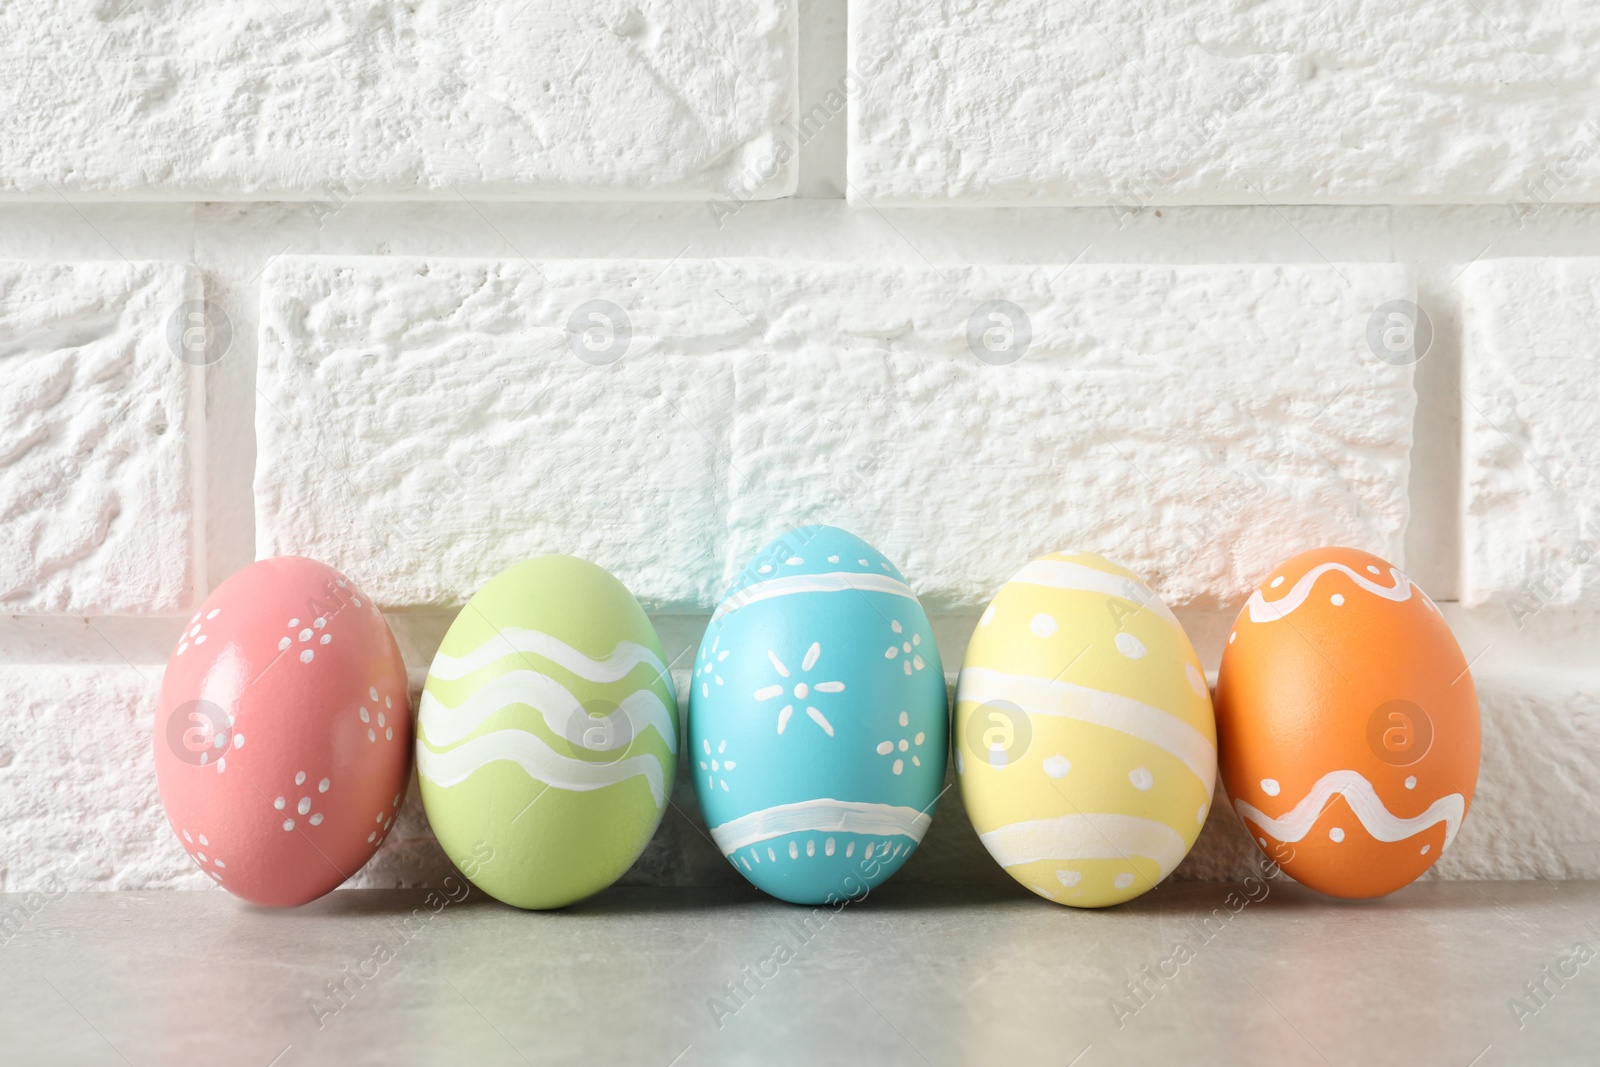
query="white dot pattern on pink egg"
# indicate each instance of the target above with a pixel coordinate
(289, 631)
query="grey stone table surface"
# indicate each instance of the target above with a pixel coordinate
(1453, 973)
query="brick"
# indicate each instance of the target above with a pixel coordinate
(560, 99)
(1212, 102)
(1195, 423)
(1531, 434)
(1536, 808)
(79, 807)
(97, 499)
(425, 423)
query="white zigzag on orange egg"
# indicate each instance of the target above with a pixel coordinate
(1369, 809)
(1263, 610)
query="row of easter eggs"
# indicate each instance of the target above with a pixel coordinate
(1086, 742)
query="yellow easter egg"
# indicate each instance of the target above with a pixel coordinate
(1085, 742)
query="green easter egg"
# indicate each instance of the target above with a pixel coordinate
(547, 735)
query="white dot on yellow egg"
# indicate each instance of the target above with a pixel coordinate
(1130, 646)
(1141, 778)
(1068, 878)
(1042, 625)
(1123, 880)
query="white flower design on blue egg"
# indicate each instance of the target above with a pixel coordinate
(820, 670)
(802, 690)
(905, 647)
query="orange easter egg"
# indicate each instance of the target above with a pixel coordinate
(1347, 724)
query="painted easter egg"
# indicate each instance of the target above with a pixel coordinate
(1086, 747)
(817, 719)
(283, 733)
(547, 734)
(1349, 723)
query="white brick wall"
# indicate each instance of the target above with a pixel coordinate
(1532, 433)
(1207, 102)
(388, 370)
(732, 399)
(262, 100)
(97, 502)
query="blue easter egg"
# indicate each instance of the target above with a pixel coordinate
(818, 719)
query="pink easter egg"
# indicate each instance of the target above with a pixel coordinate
(283, 732)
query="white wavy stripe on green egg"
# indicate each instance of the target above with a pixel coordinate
(547, 734)
(1086, 745)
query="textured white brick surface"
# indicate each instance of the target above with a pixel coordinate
(1531, 443)
(424, 424)
(1241, 405)
(1536, 813)
(264, 100)
(1224, 102)
(97, 505)
(78, 798)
